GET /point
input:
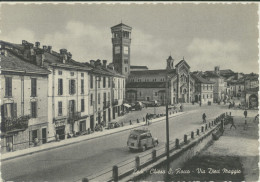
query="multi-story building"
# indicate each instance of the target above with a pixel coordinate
(203, 90)
(106, 93)
(24, 103)
(219, 92)
(150, 85)
(251, 90)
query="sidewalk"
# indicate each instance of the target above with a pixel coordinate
(241, 143)
(70, 141)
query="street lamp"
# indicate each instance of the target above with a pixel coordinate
(167, 119)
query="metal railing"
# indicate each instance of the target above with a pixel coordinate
(128, 166)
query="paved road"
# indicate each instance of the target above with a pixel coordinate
(89, 157)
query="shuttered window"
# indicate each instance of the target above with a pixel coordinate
(34, 109)
(60, 108)
(8, 86)
(60, 87)
(72, 87)
(82, 105)
(33, 87)
(9, 110)
(104, 82)
(82, 86)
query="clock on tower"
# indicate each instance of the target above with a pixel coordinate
(121, 40)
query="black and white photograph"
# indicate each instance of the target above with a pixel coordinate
(129, 91)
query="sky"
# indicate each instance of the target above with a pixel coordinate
(206, 35)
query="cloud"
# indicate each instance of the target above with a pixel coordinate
(149, 50)
(84, 41)
(207, 53)
(16, 35)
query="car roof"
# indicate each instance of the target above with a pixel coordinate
(140, 131)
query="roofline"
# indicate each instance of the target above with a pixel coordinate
(24, 71)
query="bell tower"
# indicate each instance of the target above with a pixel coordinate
(121, 40)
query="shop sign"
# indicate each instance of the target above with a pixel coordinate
(60, 123)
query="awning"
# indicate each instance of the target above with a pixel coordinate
(127, 105)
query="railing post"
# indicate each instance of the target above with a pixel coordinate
(177, 143)
(85, 180)
(202, 129)
(185, 138)
(192, 134)
(115, 173)
(209, 125)
(206, 127)
(222, 124)
(154, 155)
(198, 132)
(212, 123)
(137, 162)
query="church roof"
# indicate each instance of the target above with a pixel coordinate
(121, 25)
(146, 85)
(139, 67)
(161, 72)
(182, 61)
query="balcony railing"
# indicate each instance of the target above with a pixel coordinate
(106, 104)
(115, 102)
(12, 124)
(74, 116)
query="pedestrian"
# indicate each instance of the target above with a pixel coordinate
(146, 119)
(232, 123)
(204, 117)
(130, 122)
(245, 113)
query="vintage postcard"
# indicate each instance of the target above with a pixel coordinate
(129, 91)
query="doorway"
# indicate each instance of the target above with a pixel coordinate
(92, 122)
(44, 135)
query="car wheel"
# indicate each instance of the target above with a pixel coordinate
(144, 148)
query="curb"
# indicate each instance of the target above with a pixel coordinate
(62, 145)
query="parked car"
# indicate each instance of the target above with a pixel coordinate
(138, 106)
(153, 103)
(141, 140)
(112, 125)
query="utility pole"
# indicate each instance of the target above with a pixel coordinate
(167, 118)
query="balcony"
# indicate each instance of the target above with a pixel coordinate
(115, 102)
(15, 124)
(106, 104)
(74, 116)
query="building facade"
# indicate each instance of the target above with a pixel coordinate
(24, 103)
(150, 85)
(203, 90)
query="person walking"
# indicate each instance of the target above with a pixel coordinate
(245, 113)
(146, 119)
(232, 124)
(204, 117)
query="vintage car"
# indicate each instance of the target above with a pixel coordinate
(141, 140)
(112, 125)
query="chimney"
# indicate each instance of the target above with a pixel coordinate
(49, 49)
(217, 70)
(37, 45)
(111, 66)
(40, 59)
(105, 63)
(69, 55)
(24, 42)
(44, 48)
(98, 63)
(63, 54)
(92, 62)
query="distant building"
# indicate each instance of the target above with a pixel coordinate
(251, 90)
(219, 92)
(24, 102)
(203, 90)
